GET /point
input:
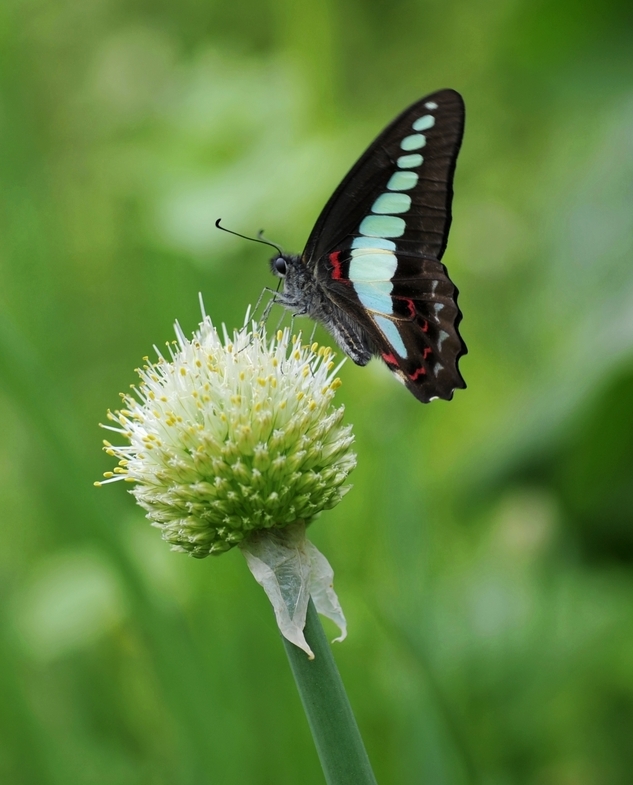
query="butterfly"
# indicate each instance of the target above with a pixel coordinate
(371, 271)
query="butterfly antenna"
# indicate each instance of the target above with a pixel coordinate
(258, 239)
(262, 239)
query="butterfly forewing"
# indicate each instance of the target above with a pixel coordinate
(397, 151)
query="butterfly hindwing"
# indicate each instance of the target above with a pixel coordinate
(426, 316)
(413, 326)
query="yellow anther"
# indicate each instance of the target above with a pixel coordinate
(314, 347)
(280, 335)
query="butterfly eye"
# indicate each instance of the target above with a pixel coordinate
(279, 266)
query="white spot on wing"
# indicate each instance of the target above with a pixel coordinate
(382, 226)
(373, 243)
(372, 265)
(430, 105)
(424, 123)
(375, 296)
(442, 337)
(413, 142)
(410, 161)
(390, 331)
(391, 204)
(402, 181)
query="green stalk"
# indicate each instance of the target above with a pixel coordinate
(332, 722)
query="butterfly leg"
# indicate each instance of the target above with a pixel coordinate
(268, 307)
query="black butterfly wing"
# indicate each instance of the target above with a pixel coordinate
(430, 217)
(376, 247)
(417, 333)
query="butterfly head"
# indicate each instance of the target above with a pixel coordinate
(301, 292)
(279, 265)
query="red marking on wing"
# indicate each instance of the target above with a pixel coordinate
(410, 305)
(425, 326)
(418, 372)
(337, 273)
(389, 359)
(426, 352)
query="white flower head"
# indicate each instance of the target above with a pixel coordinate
(231, 436)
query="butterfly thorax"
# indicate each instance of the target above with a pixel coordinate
(304, 296)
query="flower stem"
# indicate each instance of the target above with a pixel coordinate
(332, 722)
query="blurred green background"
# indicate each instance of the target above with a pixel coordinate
(485, 555)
